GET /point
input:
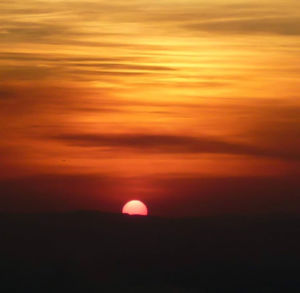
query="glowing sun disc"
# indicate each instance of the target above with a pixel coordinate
(135, 207)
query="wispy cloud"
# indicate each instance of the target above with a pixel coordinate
(287, 26)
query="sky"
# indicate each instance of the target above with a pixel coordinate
(191, 106)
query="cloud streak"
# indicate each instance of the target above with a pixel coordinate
(170, 144)
(288, 26)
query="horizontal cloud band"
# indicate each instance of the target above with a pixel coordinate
(160, 143)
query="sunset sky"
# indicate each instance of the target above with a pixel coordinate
(191, 106)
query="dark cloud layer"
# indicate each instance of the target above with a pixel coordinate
(170, 144)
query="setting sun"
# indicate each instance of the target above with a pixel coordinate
(135, 207)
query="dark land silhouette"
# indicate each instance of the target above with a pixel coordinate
(98, 252)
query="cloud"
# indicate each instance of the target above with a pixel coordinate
(46, 102)
(32, 72)
(7, 94)
(84, 22)
(54, 57)
(120, 66)
(288, 26)
(49, 67)
(170, 144)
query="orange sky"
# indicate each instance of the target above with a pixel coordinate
(135, 98)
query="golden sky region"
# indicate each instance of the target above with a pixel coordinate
(188, 101)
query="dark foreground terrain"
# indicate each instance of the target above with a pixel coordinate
(95, 252)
